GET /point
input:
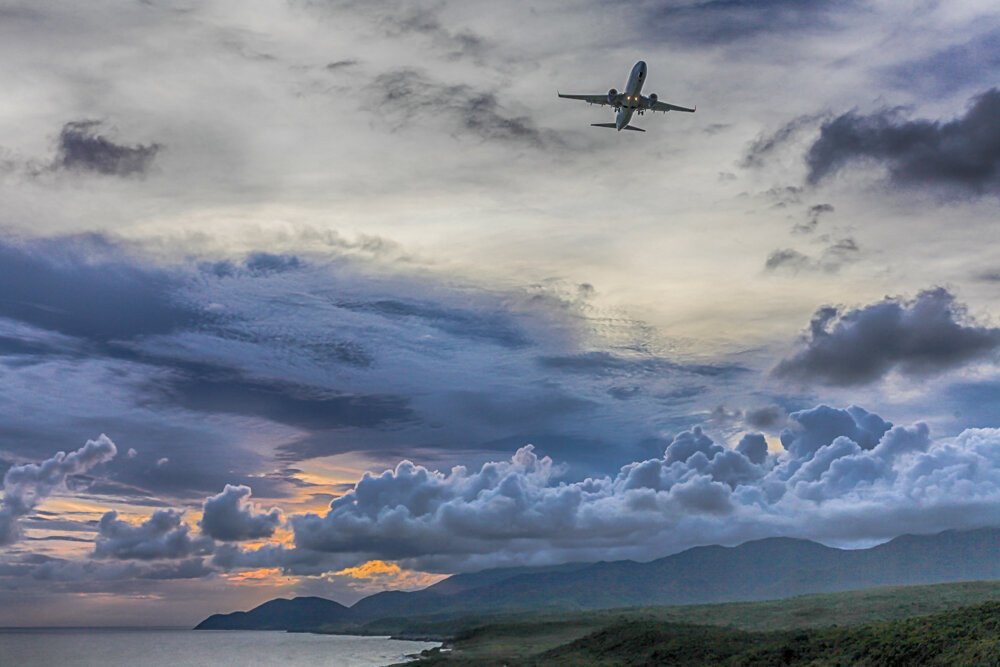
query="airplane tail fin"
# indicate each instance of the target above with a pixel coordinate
(612, 125)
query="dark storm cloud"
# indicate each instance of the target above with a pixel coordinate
(229, 516)
(163, 535)
(927, 335)
(492, 327)
(718, 22)
(963, 153)
(949, 70)
(406, 93)
(26, 485)
(82, 148)
(81, 286)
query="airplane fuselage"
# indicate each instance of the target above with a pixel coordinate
(629, 102)
(631, 99)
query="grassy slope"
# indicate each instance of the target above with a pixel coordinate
(967, 636)
(524, 638)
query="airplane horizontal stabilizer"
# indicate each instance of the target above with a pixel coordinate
(612, 125)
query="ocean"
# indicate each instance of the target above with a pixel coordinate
(107, 647)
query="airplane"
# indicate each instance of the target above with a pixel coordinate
(628, 102)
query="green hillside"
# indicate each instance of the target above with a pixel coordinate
(814, 627)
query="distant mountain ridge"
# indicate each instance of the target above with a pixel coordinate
(763, 569)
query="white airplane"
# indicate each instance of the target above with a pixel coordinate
(628, 102)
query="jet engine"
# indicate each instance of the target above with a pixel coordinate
(612, 96)
(652, 100)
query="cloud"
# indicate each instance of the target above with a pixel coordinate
(754, 447)
(27, 485)
(844, 475)
(830, 260)
(714, 22)
(950, 69)
(229, 517)
(82, 148)
(423, 21)
(84, 286)
(822, 425)
(297, 405)
(963, 153)
(492, 327)
(377, 575)
(767, 143)
(765, 417)
(401, 20)
(624, 393)
(302, 562)
(928, 335)
(259, 263)
(788, 259)
(162, 536)
(812, 218)
(407, 93)
(70, 571)
(608, 364)
(191, 360)
(341, 64)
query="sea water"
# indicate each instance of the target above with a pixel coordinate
(107, 647)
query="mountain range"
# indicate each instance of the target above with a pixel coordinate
(765, 569)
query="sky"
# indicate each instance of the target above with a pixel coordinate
(310, 297)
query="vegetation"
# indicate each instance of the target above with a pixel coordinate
(887, 626)
(769, 569)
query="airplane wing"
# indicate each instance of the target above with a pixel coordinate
(589, 99)
(663, 106)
